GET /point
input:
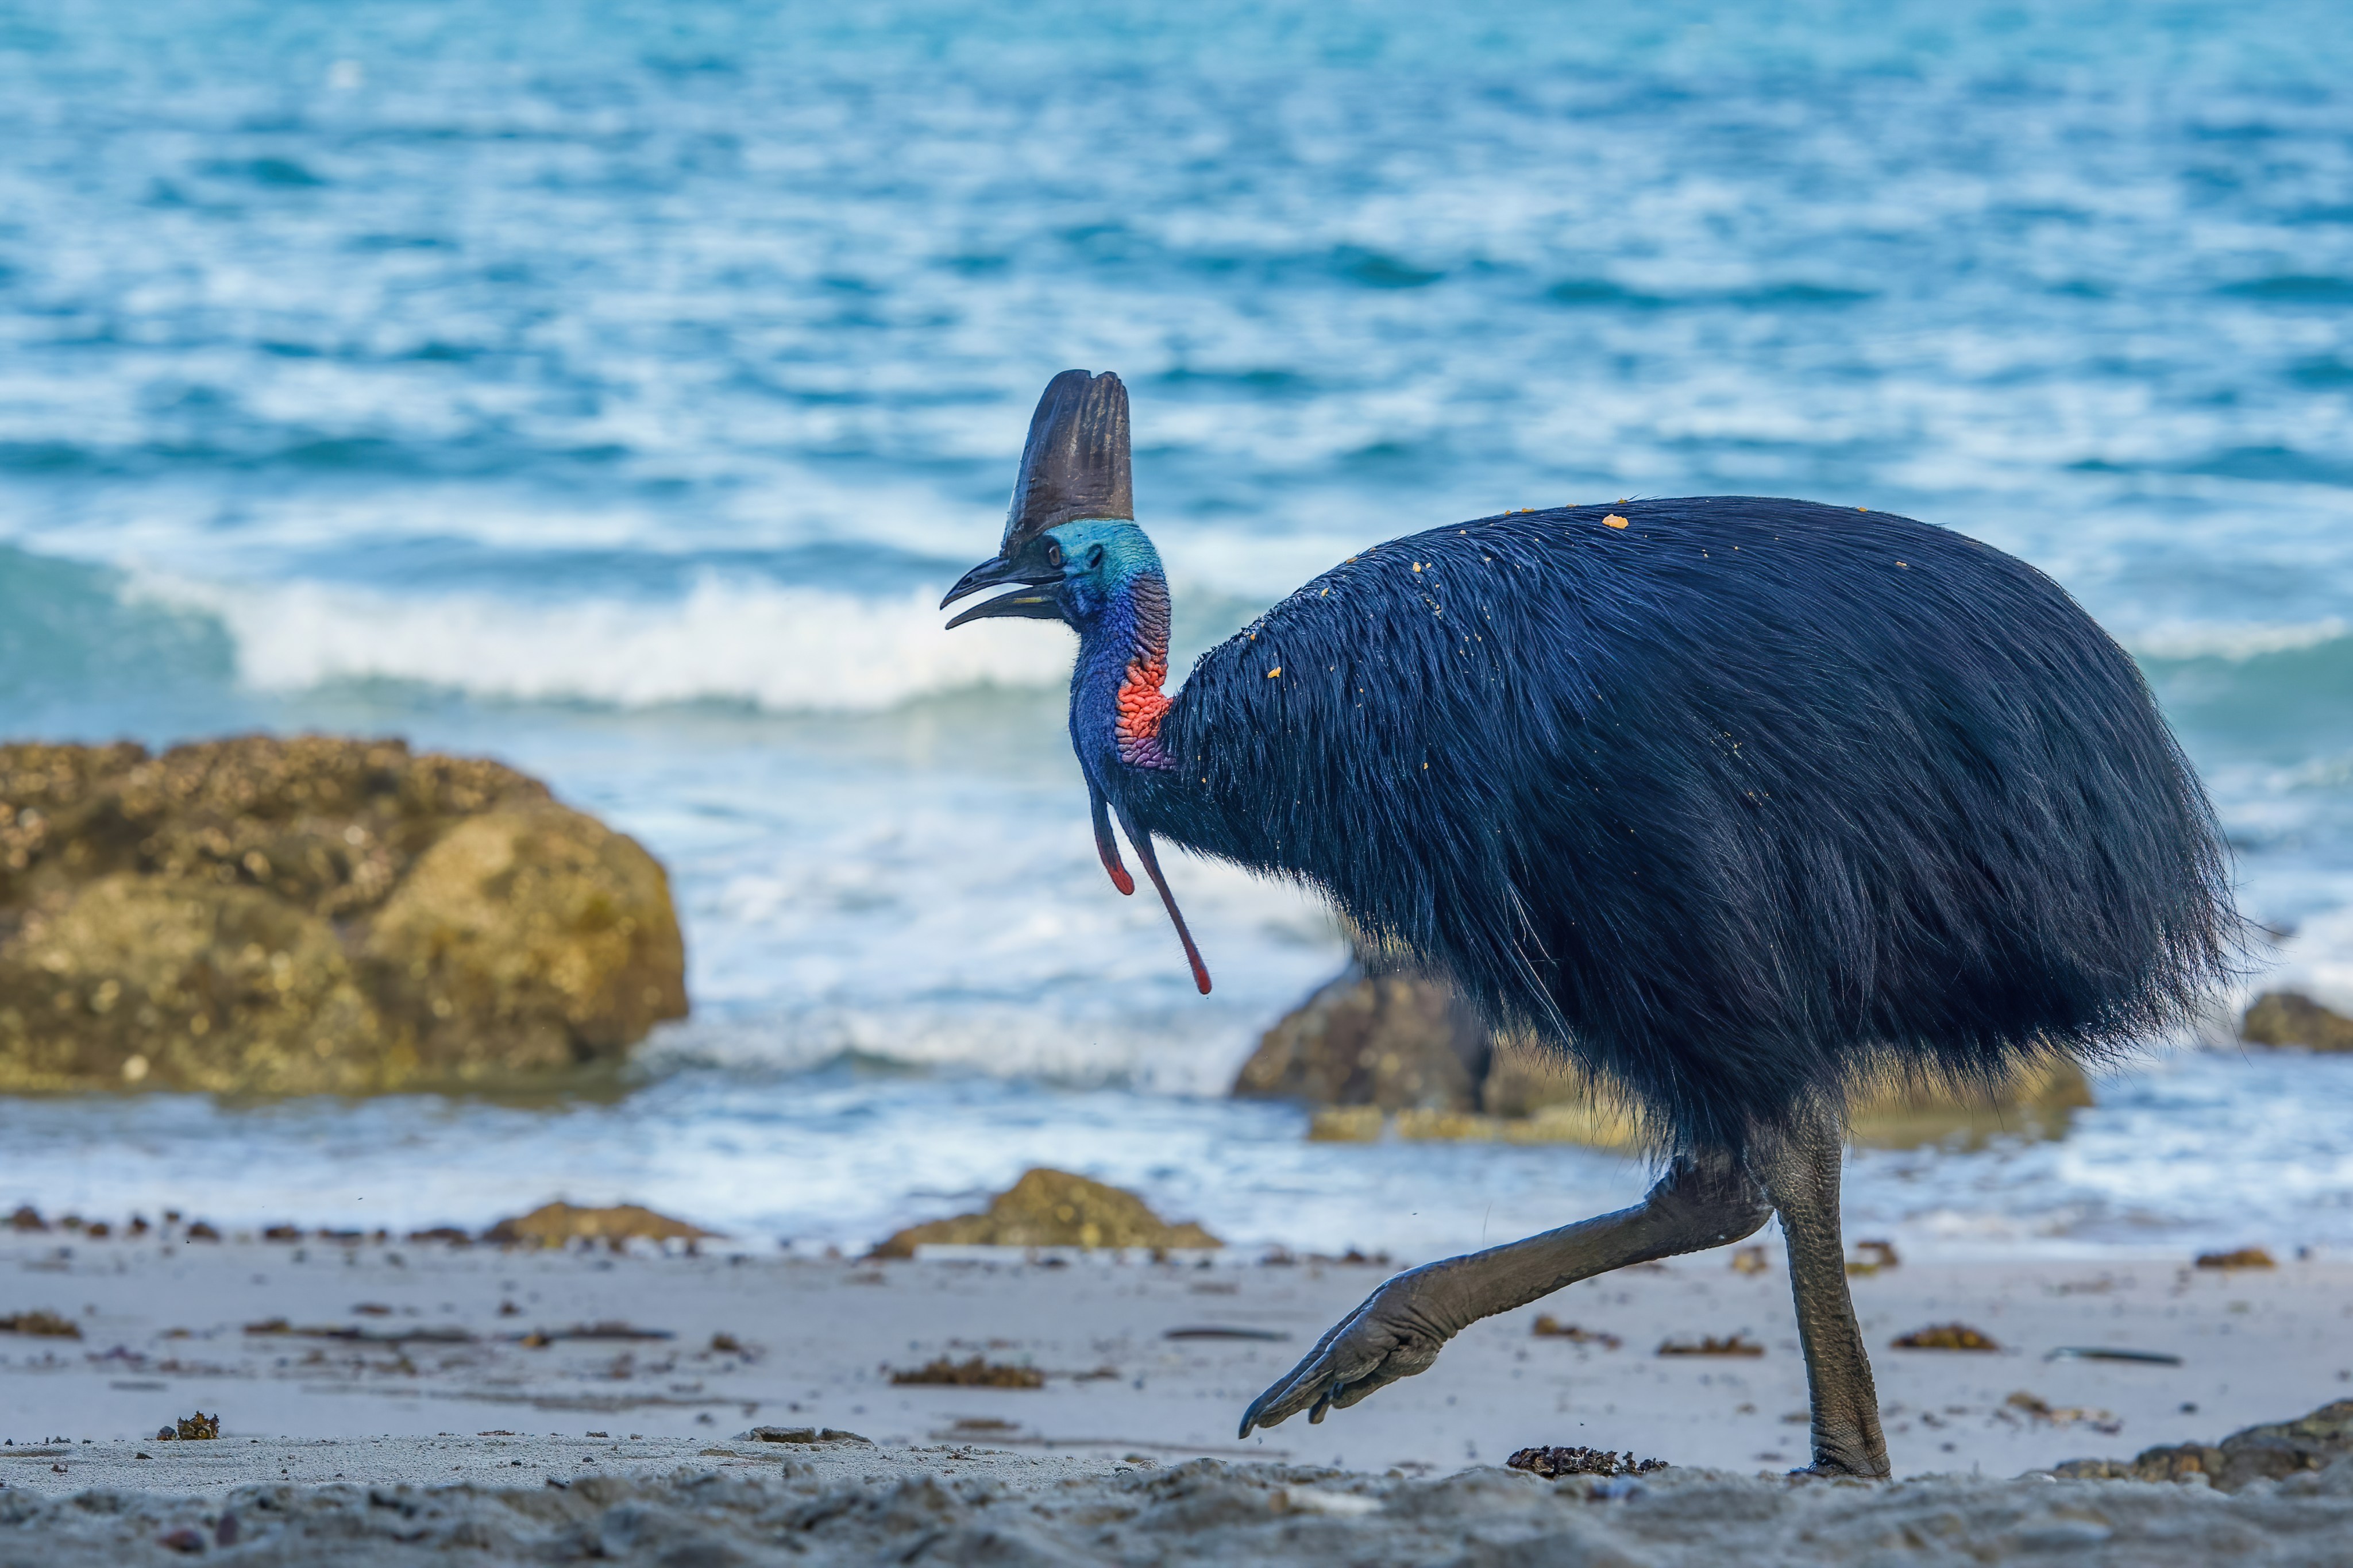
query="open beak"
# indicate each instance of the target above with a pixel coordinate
(1036, 600)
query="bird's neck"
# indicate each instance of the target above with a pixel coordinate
(1116, 704)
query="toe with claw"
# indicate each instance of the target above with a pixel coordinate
(1395, 1333)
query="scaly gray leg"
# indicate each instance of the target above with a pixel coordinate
(1399, 1331)
(1799, 1171)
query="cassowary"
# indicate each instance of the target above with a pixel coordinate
(1737, 802)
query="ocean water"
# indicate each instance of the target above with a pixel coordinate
(614, 388)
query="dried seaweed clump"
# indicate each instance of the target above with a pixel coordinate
(1549, 1327)
(1551, 1462)
(197, 1428)
(973, 1374)
(49, 1325)
(1708, 1345)
(2242, 1257)
(1946, 1337)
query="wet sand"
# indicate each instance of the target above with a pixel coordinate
(465, 1373)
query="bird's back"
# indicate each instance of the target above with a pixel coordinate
(1733, 798)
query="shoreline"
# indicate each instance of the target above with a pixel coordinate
(365, 1338)
(416, 1501)
(407, 1402)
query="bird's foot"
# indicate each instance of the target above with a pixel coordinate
(1395, 1333)
(1833, 1466)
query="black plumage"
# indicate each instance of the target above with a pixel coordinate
(1737, 802)
(1733, 802)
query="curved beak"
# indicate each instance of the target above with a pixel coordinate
(1035, 601)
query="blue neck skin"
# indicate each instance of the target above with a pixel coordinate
(1116, 595)
(1118, 601)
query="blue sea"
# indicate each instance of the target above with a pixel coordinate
(614, 388)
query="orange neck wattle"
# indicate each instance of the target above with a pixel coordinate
(1141, 705)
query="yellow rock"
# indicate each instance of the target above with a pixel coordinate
(530, 937)
(307, 915)
(135, 980)
(1451, 1126)
(1346, 1124)
(1053, 1208)
(1365, 1045)
(553, 1225)
(2285, 1018)
(1534, 1097)
(1391, 1041)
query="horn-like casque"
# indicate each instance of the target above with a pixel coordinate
(1076, 463)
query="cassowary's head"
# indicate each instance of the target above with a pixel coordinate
(1074, 573)
(1070, 541)
(1073, 551)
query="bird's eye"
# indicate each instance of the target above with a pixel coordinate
(1053, 553)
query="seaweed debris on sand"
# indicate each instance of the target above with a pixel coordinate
(2239, 1257)
(976, 1372)
(1945, 1337)
(1552, 1462)
(1710, 1344)
(42, 1322)
(1549, 1327)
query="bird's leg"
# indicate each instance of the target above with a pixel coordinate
(1799, 1171)
(1700, 1203)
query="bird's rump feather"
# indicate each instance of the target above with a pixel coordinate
(1735, 804)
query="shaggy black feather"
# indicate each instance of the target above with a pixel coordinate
(1737, 805)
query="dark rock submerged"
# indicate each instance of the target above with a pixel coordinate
(1380, 1040)
(314, 915)
(2287, 1019)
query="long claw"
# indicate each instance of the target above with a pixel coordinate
(1361, 1354)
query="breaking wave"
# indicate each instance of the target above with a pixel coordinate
(2235, 640)
(779, 648)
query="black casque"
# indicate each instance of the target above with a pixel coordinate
(1075, 464)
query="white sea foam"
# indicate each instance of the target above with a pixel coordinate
(2317, 960)
(2234, 640)
(782, 648)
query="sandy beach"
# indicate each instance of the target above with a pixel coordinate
(628, 1382)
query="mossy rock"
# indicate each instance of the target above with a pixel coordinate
(2285, 1018)
(1554, 1102)
(136, 980)
(1053, 1208)
(1395, 1041)
(2273, 1451)
(1364, 1044)
(528, 938)
(560, 1224)
(258, 915)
